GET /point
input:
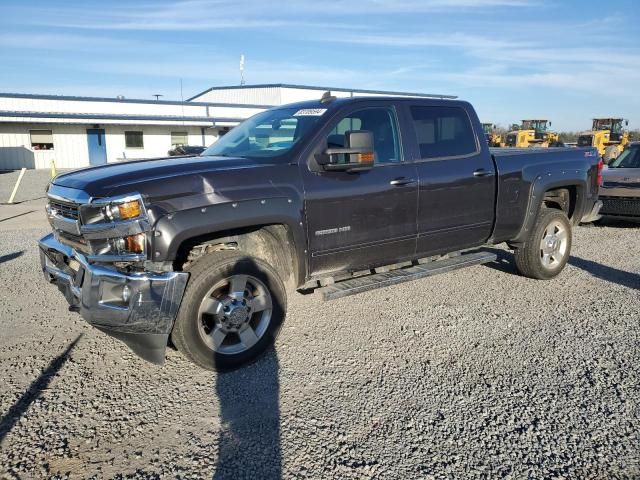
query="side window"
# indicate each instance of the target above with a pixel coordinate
(381, 122)
(443, 132)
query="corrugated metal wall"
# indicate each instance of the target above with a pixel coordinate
(89, 106)
(70, 148)
(246, 95)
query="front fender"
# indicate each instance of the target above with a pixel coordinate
(172, 230)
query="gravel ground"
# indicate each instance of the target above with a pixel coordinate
(478, 373)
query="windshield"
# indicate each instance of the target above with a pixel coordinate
(267, 134)
(630, 158)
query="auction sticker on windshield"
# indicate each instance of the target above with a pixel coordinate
(310, 112)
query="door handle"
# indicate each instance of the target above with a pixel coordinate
(481, 172)
(398, 182)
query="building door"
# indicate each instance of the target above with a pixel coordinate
(97, 146)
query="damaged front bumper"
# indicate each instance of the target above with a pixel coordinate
(137, 308)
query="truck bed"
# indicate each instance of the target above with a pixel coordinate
(526, 173)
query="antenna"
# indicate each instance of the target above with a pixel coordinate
(327, 97)
(182, 101)
(241, 69)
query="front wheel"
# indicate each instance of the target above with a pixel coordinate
(546, 251)
(232, 311)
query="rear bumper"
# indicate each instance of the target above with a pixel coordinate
(137, 308)
(592, 215)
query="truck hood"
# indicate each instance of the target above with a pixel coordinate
(126, 177)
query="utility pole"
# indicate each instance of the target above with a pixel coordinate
(241, 69)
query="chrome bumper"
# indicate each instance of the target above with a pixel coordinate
(137, 308)
(594, 214)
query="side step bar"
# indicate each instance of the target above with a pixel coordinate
(378, 280)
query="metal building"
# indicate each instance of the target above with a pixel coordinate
(82, 131)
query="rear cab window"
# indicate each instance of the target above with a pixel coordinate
(442, 132)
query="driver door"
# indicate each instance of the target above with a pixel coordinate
(365, 219)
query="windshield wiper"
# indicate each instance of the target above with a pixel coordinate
(226, 155)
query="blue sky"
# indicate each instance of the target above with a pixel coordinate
(567, 61)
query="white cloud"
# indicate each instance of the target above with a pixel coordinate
(205, 15)
(436, 39)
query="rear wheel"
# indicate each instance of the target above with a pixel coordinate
(547, 250)
(232, 311)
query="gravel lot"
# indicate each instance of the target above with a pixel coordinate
(478, 373)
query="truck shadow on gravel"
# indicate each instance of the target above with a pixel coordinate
(8, 421)
(615, 223)
(249, 441)
(505, 263)
(11, 256)
(604, 272)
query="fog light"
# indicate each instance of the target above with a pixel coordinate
(135, 243)
(126, 294)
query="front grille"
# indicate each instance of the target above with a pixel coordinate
(620, 206)
(63, 209)
(73, 241)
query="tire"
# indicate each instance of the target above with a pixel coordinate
(219, 312)
(543, 261)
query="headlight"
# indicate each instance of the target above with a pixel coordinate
(113, 209)
(124, 211)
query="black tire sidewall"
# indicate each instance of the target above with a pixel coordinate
(546, 217)
(207, 272)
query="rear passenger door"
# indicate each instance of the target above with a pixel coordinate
(456, 177)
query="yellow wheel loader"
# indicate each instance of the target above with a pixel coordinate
(494, 139)
(607, 135)
(533, 133)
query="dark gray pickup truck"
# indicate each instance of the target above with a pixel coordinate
(335, 195)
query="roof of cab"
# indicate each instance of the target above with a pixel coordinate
(346, 100)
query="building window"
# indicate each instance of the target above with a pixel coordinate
(179, 138)
(133, 139)
(41, 139)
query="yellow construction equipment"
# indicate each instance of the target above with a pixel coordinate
(607, 135)
(494, 139)
(532, 133)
